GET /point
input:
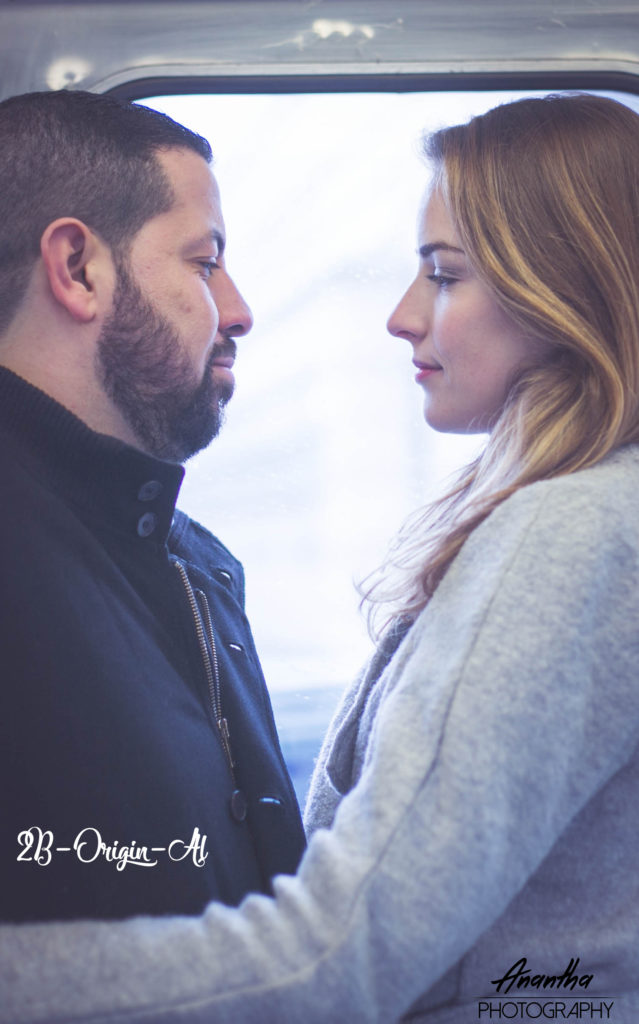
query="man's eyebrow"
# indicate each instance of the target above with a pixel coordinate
(214, 236)
(426, 250)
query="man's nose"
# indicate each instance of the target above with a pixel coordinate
(235, 315)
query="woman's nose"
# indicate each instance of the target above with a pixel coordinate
(408, 320)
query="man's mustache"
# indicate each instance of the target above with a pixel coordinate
(226, 349)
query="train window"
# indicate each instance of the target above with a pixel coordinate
(325, 451)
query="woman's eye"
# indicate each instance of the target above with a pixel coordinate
(441, 280)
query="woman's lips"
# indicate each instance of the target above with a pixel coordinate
(425, 370)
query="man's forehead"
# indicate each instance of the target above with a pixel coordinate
(191, 177)
(195, 193)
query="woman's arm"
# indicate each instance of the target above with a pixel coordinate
(510, 704)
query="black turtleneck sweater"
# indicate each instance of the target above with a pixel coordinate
(106, 727)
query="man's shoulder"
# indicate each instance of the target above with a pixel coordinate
(193, 543)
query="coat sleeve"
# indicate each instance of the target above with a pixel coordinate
(510, 704)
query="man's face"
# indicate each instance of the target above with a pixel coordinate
(166, 350)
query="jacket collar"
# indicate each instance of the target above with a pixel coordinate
(124, 488)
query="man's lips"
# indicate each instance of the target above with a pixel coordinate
(224, 355)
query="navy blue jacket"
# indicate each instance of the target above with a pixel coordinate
(107, 734)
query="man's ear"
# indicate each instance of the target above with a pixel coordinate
(70, 254)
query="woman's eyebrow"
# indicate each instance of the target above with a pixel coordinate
(426, 250)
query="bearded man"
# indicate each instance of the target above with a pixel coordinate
(141, 767)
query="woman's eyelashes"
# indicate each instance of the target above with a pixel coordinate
(442, 280)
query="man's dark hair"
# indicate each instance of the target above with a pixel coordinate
(77, 154)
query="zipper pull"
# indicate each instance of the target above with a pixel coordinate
(223, 726)
(237, 803)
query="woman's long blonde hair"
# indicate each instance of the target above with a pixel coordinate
(544, 194)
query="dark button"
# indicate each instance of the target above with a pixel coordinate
(224, 577)
(238, 805)
(236, 647)
(150, 490)
(147, 524)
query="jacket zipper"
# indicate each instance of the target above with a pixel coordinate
(216, 691)
(210, 661)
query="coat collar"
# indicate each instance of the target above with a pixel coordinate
(124, 488)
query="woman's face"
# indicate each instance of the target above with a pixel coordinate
(465, 348)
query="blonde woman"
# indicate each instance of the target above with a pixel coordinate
(473, 815)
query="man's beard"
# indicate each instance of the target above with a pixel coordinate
(143, 368)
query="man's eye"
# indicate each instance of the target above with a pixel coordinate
(441, 280)
(208, 266)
